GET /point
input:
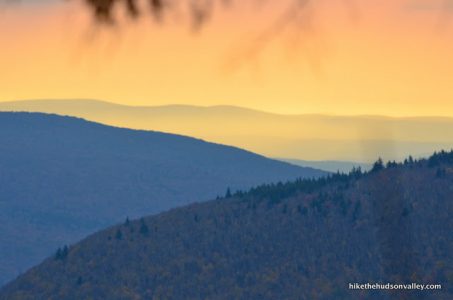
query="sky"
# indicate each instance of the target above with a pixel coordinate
(379, 57)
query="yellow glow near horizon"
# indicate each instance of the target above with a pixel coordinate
(390, 58)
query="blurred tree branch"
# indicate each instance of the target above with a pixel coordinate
(199, 11)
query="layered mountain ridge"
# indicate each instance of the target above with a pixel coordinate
(305, 137)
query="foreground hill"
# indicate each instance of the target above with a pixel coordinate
(302, 240)
(307, 137)
(62, 178)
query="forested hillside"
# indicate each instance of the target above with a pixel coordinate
(63, 178)
(307, 239)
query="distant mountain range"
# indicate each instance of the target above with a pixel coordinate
(304, 137)
(302, 240)
(330, 165)
(62, 178)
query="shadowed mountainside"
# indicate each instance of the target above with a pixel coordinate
(306, 137)
(62, 178)
(306, 239)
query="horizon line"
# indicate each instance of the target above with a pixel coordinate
(256, 110)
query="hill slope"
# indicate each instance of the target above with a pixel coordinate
(62, 178)
(306, 137)
(301, 240)
(330, 166)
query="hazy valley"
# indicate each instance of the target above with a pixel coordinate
(305, 137)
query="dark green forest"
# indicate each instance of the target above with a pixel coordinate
(304, 239)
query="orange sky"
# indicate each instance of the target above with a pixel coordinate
(387, 57)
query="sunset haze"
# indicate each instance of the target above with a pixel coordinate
(388, 58)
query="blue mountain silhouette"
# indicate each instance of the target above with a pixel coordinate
(62, 178)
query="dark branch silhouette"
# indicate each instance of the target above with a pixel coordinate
(199, 10)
